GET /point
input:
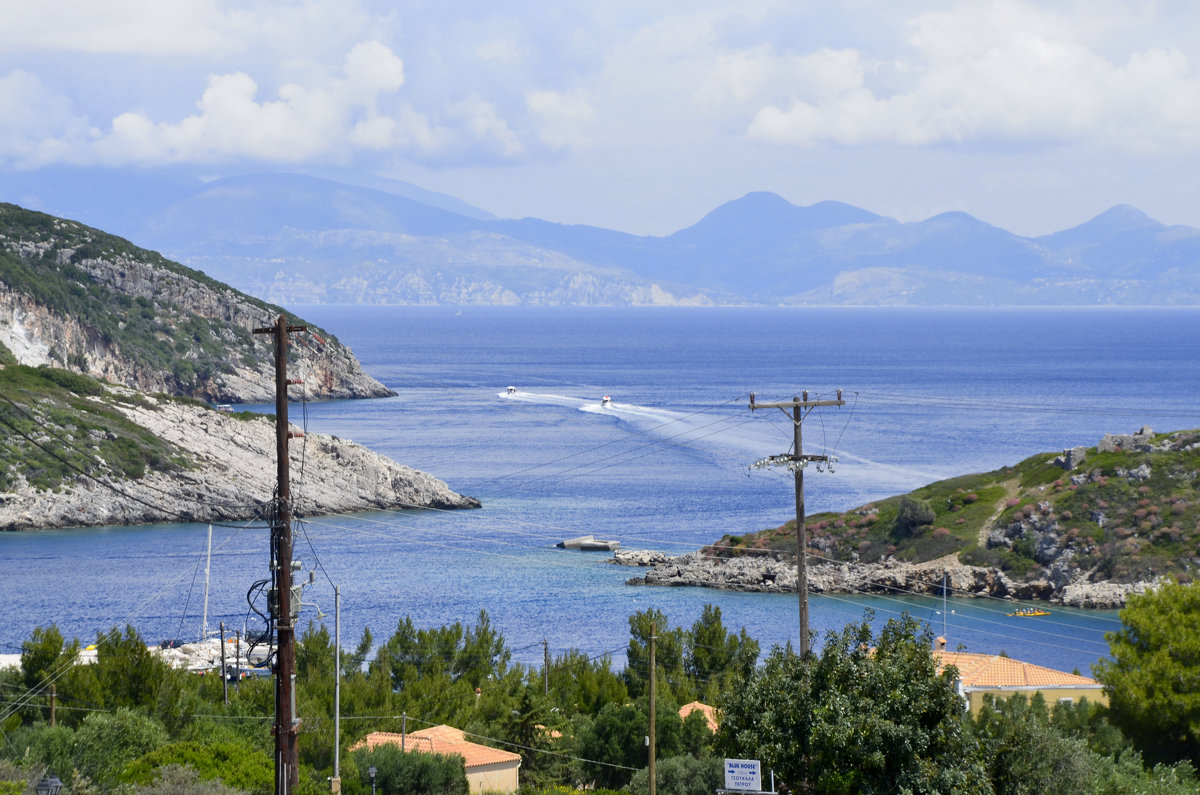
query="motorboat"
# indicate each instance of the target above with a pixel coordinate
(512, 390)
(605, 401)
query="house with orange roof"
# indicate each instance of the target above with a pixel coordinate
(488, 769)
(710, 714)
(982, 674)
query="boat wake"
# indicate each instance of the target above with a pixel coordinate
(731, 432)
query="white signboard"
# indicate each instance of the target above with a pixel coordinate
(743, 774)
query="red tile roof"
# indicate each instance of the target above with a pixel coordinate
(991, 670)
(710, 714)
(441, 740)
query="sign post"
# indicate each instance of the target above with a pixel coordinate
(742, 776)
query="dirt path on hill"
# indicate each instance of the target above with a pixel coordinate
(1011, 489)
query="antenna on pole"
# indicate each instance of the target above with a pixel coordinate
(796, 461)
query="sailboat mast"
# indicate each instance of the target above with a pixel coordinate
(207, 567)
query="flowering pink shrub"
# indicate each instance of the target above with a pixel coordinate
(941, 532)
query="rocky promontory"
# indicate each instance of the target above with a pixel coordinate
(222, 469)
(80, 299)
(772, 574)
(1084, 527)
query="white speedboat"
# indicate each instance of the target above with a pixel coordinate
(512, 390)
(605, 401)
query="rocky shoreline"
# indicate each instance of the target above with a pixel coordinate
(231, 477)
(769, 574)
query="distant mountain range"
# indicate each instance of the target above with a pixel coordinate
(294, 239)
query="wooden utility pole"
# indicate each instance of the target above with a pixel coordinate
(796, 461)
(335, 783)
(224, 670)
(287, 723)
(653, 692)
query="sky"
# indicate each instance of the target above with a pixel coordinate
(637, 116)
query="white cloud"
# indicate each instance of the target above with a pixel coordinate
(371, 68)
(325, 117)
(1000, 72)
(502, 50)
(231, 122)
(144, 27)
(36, 125)
(564, 120)
(486, 128)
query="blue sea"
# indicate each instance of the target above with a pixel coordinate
(930, 393)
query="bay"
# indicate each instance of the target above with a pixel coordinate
(930, 394)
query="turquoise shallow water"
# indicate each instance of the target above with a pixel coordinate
(930, 394)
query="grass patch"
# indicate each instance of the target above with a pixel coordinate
(57, 430)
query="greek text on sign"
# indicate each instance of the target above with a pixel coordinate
(743, 774)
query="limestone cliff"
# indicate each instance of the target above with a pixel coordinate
(77, 298)
(216, 466)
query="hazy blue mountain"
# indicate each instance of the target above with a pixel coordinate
(1123, 242)
(293, 238)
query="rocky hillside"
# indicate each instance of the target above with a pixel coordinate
(1083, 527)
(77, 298)
(75, 452)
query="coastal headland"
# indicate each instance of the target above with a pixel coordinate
(1085, 528)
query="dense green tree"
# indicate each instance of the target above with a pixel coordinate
(107, 741)
(715, 658)
(175, 779)
(912, 514)
(407, 773)
(45, 660)
(49, 747)
(868, 714)
(681, 775)
(583, 684)
(1026, 754)
(613, 743)
(668, 656)
(1153, 678)
(233, 764)
(1088, 721)
(1028, 749)
(471, 655)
